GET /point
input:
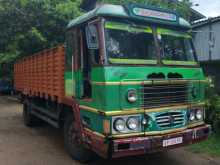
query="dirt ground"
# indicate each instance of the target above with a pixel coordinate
(43, 145)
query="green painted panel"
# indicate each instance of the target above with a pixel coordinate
(98, 96)
(69, 87)
(173, 33)
(132, 73)
(73, 84)
(131, 61)
(184, 63)
(93, 121)
(113, 97)
(69, 84)
(128, 27)
(120, 12)
(79, 83)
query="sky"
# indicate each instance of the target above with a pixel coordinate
(209, 8)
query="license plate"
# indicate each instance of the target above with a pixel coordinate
(173, 141)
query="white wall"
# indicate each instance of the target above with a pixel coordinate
(202, 43)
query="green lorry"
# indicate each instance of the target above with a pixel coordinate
(133, 84)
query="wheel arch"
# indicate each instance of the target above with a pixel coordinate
(65, 111)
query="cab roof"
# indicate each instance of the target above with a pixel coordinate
(119, 11)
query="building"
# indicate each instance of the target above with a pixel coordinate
(88, 5)
(206, 34)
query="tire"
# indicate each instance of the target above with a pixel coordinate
(29, 119)
(76, 151)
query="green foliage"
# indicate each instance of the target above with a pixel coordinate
(6, 63)
(8, 57)
(213, 109)
(213, 106)
(28, 26)
(210, 146)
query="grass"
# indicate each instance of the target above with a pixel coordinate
(210, 146)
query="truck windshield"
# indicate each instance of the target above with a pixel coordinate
(176, 46)
(129, 44)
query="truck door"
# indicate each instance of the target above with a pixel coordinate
(90, 56)
(82, 53)
(73, 73)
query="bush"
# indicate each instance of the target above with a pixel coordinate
(213, 108)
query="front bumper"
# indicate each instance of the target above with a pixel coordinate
(150, 144)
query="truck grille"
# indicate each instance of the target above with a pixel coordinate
(170, 119)
(153, 96)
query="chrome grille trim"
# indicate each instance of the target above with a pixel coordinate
(163, 120)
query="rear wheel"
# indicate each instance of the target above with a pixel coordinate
(72, 145)
(29, 119)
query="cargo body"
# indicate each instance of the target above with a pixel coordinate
(42, 74)
(128, 81)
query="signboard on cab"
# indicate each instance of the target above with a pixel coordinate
(154, 14)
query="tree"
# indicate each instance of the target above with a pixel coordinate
(28, 26)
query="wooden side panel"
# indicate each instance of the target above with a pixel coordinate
(42, 74)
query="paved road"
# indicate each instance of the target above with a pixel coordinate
(44, 145)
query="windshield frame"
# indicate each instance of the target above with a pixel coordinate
(183, 35)
(134, 27)
(158, 60)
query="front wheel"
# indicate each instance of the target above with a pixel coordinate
(76, 150)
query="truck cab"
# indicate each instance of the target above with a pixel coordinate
(133, 71)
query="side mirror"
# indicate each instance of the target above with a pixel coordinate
(92, 37)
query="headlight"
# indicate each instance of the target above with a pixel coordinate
(126, 124)
(119, 125)
(133, 123)
(196, 114)
(199, 114)
(192, 116)
(132, 95)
